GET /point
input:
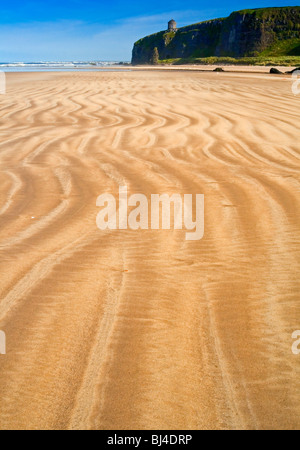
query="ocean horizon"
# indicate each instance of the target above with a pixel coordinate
(61, 66)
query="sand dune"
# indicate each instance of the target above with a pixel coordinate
(143, 329)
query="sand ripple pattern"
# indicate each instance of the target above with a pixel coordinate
(144, 330)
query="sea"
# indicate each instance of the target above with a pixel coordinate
(59, 66)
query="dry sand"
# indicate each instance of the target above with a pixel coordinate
(143, 329)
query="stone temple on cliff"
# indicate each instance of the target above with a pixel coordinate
(172, 25)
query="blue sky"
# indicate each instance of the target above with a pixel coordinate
(56, 30)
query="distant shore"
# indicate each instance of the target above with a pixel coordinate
(166, 67)
(212, 67)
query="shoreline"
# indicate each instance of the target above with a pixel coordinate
(186, 67)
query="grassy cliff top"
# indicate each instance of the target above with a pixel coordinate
(261, 13)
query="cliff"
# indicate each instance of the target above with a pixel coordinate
(265, 31)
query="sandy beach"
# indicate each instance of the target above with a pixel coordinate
(143, 329)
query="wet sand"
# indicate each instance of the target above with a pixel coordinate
(143, 329)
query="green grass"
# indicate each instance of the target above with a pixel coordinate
(267, 12)
(290, 47)
(168, 36)
(249, 61)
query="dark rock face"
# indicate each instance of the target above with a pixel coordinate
(200, 41)
(243, 33)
